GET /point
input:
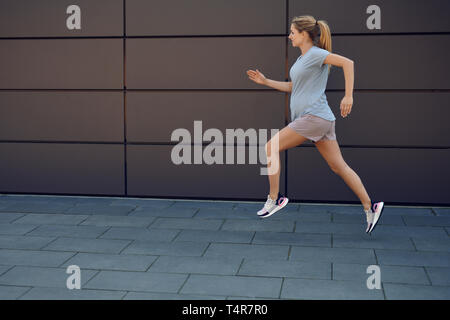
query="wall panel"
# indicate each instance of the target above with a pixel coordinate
(151, 172)
(205, 17)
(61, 64)
(53, 168)
(202, 63)
(61, 116)
(153, 116)
(47, 18)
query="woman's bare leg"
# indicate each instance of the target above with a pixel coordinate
(329, 149)
(287, 138)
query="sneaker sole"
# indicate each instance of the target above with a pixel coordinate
(277, 209)
(376, 220)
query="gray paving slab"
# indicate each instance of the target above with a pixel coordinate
(285, 269)
(332, 209)
(20, 198)
(328, 228)
(440, 221)
(38, 293)
(118, 221)
(442, 211)
(203, 204)
(137, 281)
(323, 208)
(16, 229)
(197, 265)
(305, 217)
(247, 251)
(395, 220)
(407, 211)
(290, 238)
(259, 225)
(423, 244)
(93, 200)
(221, 213)
(250, 206)
(164, 213)
(68, 231)
(142, 202)
(409, 258)
(329, 290)
(24, 242)
(284, 215)
(385, 230)
(100, 209)
(3, 269)
(180, 223)
(215, 236)
(12, 292)
(439, 276)
(249, 298)
(100, 261)
(375, 241)
(142, 234)
(167, 248)
(6, 199)
(168, 296)
(388, 274)
(33, 258)
(359, 210)
(37, 207)
(40, 219)
(232, 285)
(8, 217)
(409, 231)
(44, 198)
(42, 277)
(415, 292)
(342, 255)
(88, 245)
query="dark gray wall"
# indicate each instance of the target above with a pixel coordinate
(91, 111)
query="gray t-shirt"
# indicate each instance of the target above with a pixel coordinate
(309, 79)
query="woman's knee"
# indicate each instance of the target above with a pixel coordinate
(339, 168)
(268, 147)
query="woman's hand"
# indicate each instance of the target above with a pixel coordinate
(256, 76)
(346, 105)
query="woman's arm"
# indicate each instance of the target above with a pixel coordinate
(259, 78)
(279, 85)
(347, 65)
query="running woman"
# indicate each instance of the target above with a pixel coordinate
(311, 117)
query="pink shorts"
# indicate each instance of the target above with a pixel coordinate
(314, 128)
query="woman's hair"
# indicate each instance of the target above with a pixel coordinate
(320, 34)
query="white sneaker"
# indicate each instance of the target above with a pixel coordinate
(373, 215)
(272, 206)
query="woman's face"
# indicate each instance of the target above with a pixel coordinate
(296, 37)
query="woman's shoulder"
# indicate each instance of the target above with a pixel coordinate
(319, 49)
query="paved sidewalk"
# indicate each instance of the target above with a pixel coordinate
(129, 248)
